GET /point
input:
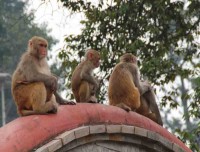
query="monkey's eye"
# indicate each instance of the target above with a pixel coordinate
(43, 45)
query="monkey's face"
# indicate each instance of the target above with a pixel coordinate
(42, 49)
(96, 60)
(94, 57)
(38, 47)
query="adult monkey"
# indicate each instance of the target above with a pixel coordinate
(84, 84)
(33, 85)
(129, 93)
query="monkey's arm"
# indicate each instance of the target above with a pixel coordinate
(87, 76)
(32, 74)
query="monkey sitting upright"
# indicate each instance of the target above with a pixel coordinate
(84, 84)
(34, 87)
(129, 93)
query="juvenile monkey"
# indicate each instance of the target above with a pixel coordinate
(33, 85)
(84, 84)
(128, 92)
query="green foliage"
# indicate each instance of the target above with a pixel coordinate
(162, 34)
(16, 28)
(192, 138)
(194, 106)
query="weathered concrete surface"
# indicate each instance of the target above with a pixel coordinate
(25, 133)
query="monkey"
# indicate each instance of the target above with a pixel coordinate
(124, 87)
(34, 87)
(84, 84)
(149, 107)
(126, 91)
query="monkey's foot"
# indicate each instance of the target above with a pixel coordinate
(66, 102)
(54, 110)
(92, 99)
(70, 102)
(125, 107)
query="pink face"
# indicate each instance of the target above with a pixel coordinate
(94, 58)
(134, 60)
(42, 47)
(97, 61)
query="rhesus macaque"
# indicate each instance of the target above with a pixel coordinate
(84, 84)
(129, 93)
(33, 85)
(149, 107)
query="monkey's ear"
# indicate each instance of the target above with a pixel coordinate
(30, 43)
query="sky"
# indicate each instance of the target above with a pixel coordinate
(57, 17)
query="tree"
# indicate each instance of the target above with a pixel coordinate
(162, 33)
(16, 28)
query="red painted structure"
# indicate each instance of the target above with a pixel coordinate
(25, 133)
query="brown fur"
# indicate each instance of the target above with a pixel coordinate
(34, 98)
(84, 84)
(149, 107)
(33, 85)
(122, 89)
(129, 93)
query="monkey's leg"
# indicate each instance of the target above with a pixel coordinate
(46, 105)
(37, 97)
(92, 98)
(21, 95)
(55, 104)
(84, 92)
(76, 95)
(20, 98)
(144, 108)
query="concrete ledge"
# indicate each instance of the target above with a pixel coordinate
(28, 133)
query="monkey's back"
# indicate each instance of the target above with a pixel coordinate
(18, 73)
(122, 88)
(76, 80)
